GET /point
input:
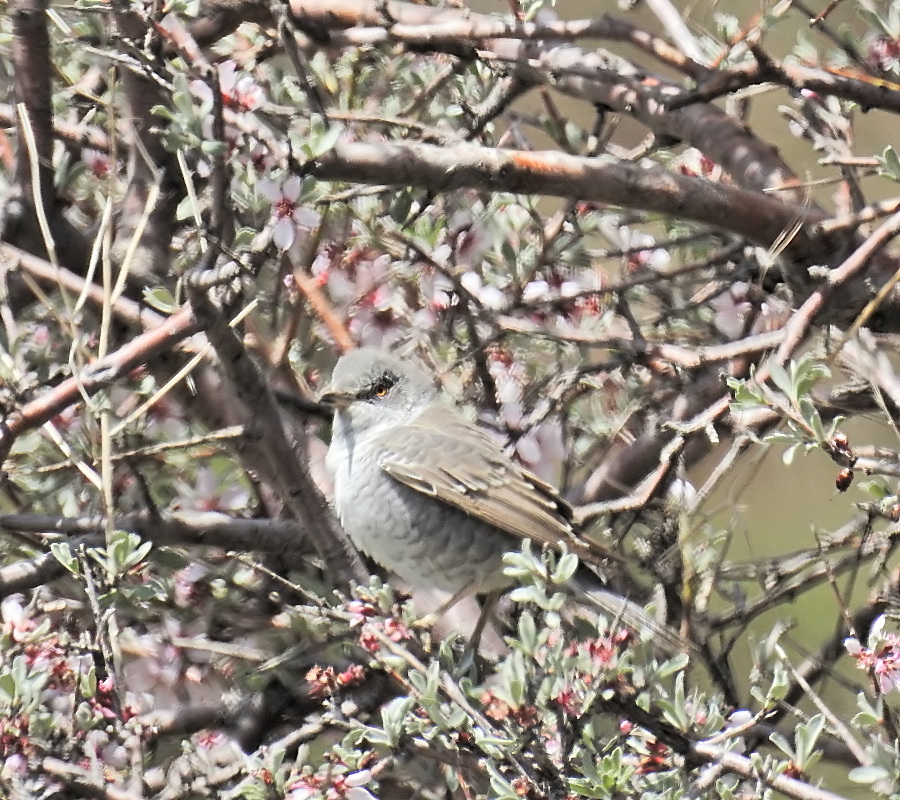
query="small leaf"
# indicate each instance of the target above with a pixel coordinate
(565, 569)
(529, 594)
(787, 457)
(162, 111)
(805, 737)
(160, 298)
(88, 682)
(890, 163)
(869, 774)
(7, 688)
(671, 666)
(811, 417)
(378, 736)
(326, 141)
(868, 715)
(512, 674)
(501, 788)
(137, 555)
(393, 718)
(63, 554)
(528, 633)
(781, 380)
(210, 147)
(875, 21)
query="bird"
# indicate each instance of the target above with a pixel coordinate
(432, 497)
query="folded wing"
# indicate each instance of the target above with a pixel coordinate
(462, 466)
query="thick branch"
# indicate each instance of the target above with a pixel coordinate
(270, 448)
(759, 218)
(154, 188)
(31, 54)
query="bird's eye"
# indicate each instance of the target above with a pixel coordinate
(380, 388)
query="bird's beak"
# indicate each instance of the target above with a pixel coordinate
(335, 399)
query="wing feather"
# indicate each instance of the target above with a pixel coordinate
(444, 457)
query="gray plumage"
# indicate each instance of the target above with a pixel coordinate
(433, 498)
(421, 490)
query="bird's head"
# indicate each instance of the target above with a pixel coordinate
(373, 387)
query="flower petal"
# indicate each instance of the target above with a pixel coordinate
(305, 217)
(291, 187)
(284, 233)
(227, 76)
(270, 190)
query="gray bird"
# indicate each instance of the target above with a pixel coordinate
(430, 496)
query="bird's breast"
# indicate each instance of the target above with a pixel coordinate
(423, 540)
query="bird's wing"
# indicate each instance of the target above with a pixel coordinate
(446, 458)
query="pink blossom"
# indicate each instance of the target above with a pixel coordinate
(16, 764)
(396, 630)
(470, 239)
(15, 621)
(731, 310)
(881, 660)
(489, 296)
(206, 740)
(211, 494)
(536, 290)
(356, 279)
(291, 217)
(883, 53)
(97, 162)
(570, 701)
(542, 450)
(638, 245)
(361, 612)
(509, 376)
(262, 157)
(436, 289)
(349, 786)
(375, 318)
(239, 94)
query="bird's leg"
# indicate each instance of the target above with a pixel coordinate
(430, 619)
(490, 605)
(487, 608)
